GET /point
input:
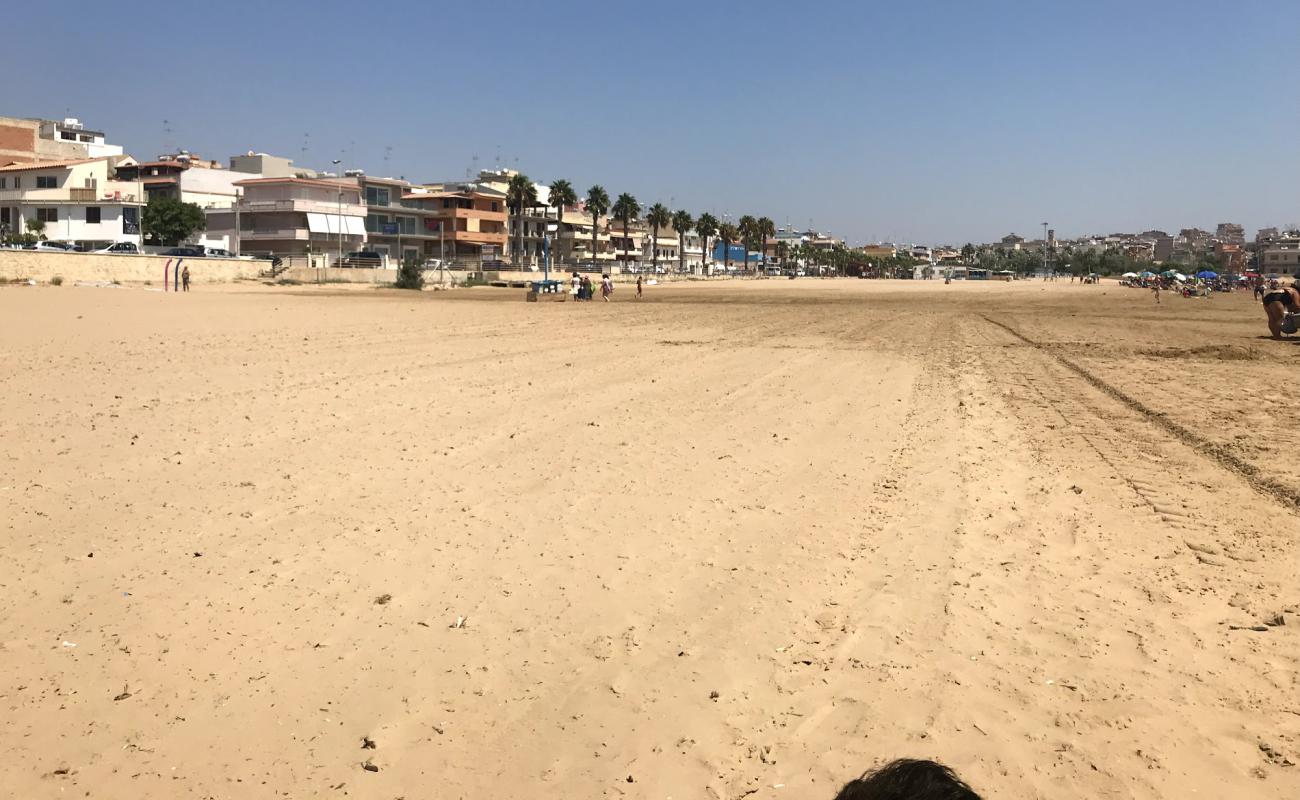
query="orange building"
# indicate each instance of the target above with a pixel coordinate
(471, 222)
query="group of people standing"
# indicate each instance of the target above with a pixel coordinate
(583, 288)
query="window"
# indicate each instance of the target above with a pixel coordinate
(47, 214)
(92, 215)
(2, 182)
(67, 136)
(47, 182)
(494, 206)
(18, 182)
(406, 225)
(131, 220)
(376, 196)
(4, 218)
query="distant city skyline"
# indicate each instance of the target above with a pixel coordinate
(920, 122)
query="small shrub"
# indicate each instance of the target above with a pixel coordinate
(410, 276)
(57, 280)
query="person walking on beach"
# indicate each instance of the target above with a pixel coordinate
(1155, 290)
(577, 286)
(185, 277)
(606, 287)
(638, 287)
(584, 288)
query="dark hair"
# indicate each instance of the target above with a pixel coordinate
(908, 779)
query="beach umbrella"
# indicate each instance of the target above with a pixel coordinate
(1180, 276)
(1129, 275)
(1206, 274)
(1148, 274)
(1169, 273)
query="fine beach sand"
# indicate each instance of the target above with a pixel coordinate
(744, 539)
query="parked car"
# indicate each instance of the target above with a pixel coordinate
(186, 252)
(121, 249)
(61, 247)
(217, 252)
(362, 259)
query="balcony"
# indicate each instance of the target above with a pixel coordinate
(469, 213)
(476, 237)
(125, 193)
(273, 233)
(302, 205)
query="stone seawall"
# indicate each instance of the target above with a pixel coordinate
(72, 267)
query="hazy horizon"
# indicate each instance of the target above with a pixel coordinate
(934, 122)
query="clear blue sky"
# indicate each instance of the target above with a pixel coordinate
(909, 121)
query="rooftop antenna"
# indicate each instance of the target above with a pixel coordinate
(388, 154)
(306, 145)
(474, 171)
(167, 136)
(498, 161)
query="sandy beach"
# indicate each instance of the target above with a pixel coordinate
(743, 539)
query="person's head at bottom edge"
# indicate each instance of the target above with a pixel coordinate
(908, 779)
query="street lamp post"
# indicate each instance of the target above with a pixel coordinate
(339, 176)
(1044, 251)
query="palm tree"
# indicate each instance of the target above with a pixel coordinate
(682, 223)
(728, 234)
(626, 209)
(658, 217)
(706, 226)
(746, 228)
(562, 196)
(968, 253)
(597, 207)
(782, 253)
(520, 194)
(766, 230)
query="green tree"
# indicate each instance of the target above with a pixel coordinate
(682, 223)
(521, 193)
(746, 227)
(706, 226)
(728, 233)
(764, 229)
(597, 207)
(659, 217)
(968, 253)
(35, 227)
(626, 209)
(562, 196)
(169, 221)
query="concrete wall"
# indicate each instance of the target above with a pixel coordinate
(379, 277)
(73, 267)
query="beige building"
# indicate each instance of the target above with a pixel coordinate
(292, 216)
(269, 166)
(1281, 256)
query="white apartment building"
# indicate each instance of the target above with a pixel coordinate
(78, 201)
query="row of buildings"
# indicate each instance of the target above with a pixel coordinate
(67, 182)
